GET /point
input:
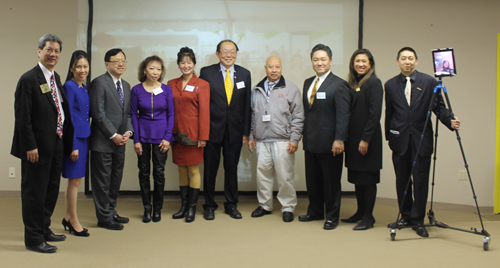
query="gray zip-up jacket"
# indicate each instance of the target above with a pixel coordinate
(285, 108)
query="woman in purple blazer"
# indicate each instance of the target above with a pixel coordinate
(75, 164)
(152, 110)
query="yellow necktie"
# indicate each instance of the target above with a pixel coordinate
(228, 85)
(313, 93)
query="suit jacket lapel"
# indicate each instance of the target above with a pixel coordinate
(307, 85)
(324, 85)
(41, 81)
(415, 90)
(111, 86)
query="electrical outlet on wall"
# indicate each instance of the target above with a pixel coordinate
(462, 175)
(12, 172)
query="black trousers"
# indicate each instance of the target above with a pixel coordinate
(39, 192)
(152, 151)
(323, 175)
(211, 158)
(412, 208)
(106, 178)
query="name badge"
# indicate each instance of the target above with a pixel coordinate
(157, 91)
(266, 118)
(189, 88)
(44, 88)
(240, 85)
(320, 95)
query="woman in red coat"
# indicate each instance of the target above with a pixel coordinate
(191, 130)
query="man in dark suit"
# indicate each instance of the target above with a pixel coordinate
(230, 86)
(327, 111)
(42, 133)
(407, 99)
(110, 131)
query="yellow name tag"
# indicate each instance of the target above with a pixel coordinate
(419, 88)
(44, 88)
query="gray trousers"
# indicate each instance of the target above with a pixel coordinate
(274, 161)
(106, 178)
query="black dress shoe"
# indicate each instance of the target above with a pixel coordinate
(119, 219)
(43, 248)
(110, 225)
(147, 216)
(259, 212)
(287, 216)
(306, 218)
(400, 223)
(156, 215)
(209, 214)
(55, 238)
(421, 231)
(233, 213)
(364, 225)
(330, 225)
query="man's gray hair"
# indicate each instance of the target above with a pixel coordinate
(49, 38)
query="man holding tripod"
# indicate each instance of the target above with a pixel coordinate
(407, 99)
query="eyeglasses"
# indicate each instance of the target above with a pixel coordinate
(50, 51)
(118, 62)
(225, 53)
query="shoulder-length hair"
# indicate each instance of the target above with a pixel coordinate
(352, 72)
(144, 64)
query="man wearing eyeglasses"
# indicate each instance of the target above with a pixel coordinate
(110, 131)
(43, 131)
(230, 86)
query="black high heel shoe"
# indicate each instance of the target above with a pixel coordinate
(84, 232)
(364, 224)
(64, 223)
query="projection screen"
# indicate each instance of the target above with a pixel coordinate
(288, 29)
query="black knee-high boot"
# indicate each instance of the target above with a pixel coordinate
(184, 203)
(193, 199)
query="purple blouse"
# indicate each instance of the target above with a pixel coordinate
(152, 115)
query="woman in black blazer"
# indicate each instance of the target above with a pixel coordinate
(364, 146)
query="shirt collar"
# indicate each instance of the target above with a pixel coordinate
(46, 72)
(413, 76)
(114, 79)
(322, 78)
(223, 68)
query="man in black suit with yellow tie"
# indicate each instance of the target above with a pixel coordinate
(327, 111)
(407, 100)
(230, 87)
(42, 133)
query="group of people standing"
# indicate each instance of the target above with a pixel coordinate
(218, 112)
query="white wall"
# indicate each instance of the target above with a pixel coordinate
(468, 26)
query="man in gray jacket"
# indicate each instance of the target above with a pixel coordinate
(276, 129)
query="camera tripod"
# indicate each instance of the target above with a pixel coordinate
(431, 215)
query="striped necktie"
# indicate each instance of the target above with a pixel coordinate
(270, 86)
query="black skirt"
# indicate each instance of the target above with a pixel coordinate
(363, 177)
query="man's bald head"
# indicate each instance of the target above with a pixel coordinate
(273, 68)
